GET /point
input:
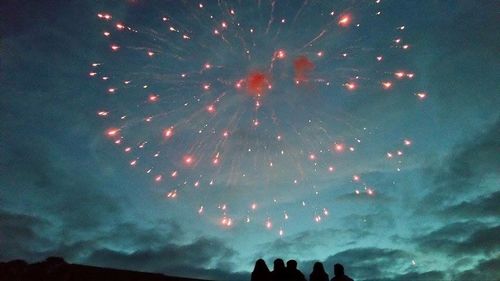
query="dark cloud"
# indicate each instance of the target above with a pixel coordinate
(465, 169)
(204, 257)
(49, 183)
(482, 206)
(459, 239)
(487, 269)
(20, 235)
(416, 276)
(370, 263)
(295, 246)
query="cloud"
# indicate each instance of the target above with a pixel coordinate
(20, 235)
(486, 269)
(54, 186)
(363, 263)
(202, 258)
(465, 169)
(458, 239)
(482, 206)
(416, 276)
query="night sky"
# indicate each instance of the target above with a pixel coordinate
(193, 137)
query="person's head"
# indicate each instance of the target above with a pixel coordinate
(260, 266)
(279, 264)
(291, 264)
(318, 267)
(338, 269)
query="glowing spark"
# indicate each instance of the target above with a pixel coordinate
(168, 133)
(133, 162)
(120, 26)
(331, 169)
(173, 174)
(339, 147)
(158, 178)
(211, 108)
(200, 210)
(151, 53)
(280, 54)
(319, 54)
(113, 132)
(269, 224)
(188, 160)
(104, 16)
(172, 194)
(102, 113)
(399, 74)
(407, 142)
(421, 95)
(355, 178)
(115, 47)
(254, 206)
(386, 85)
(128, 149)
(350, 86)
(344, 20)
(379, 58)
(153, 98)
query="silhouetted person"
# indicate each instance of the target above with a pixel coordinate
(338, 271)
(318, 273)
(279, 271)
(261, 271)
(292, 273)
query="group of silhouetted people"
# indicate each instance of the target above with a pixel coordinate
(290, 272)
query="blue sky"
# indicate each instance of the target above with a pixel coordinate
(67, 189)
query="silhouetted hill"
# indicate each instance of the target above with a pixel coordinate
(56, 269)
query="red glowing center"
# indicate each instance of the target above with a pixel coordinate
(303, 66)
(257, 83)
